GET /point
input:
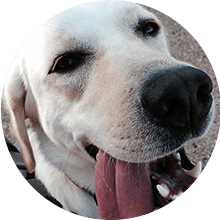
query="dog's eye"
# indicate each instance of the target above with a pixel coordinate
(148, 28)
(67, 63)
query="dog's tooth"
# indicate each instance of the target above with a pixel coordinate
(97, 159)
(163, 190)
(177, 156)
(196, 171)
(97, 156)
(176, 196)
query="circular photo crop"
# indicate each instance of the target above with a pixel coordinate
(110, 110)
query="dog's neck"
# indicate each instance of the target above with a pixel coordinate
(70, 162)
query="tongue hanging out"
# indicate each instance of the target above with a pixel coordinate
(123, 190)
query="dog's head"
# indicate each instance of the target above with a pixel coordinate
(102, 74)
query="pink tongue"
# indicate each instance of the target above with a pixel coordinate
(123, 190)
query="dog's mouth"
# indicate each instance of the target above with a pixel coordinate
(125, 190)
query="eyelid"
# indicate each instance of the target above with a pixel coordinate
(74, 55)
(54, 63)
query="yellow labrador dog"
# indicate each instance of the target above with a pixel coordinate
(99, 78)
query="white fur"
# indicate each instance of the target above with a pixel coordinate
(61, 125)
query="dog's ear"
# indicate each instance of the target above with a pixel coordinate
(14, 98)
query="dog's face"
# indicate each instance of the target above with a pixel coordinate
(99, 77)
(102, 74)
(97, 72)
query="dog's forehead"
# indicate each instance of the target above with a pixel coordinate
(90, 26)
(95, 19)
(102, 12)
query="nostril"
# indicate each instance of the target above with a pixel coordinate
(167, 108)
(174, 107)
(204, 98)
(204, 89)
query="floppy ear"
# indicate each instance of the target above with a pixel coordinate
(14, 95)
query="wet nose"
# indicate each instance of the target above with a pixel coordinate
(178, 97)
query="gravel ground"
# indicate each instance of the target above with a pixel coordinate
(183, 47)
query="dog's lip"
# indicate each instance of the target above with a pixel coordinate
(92, 150)
(171, 176)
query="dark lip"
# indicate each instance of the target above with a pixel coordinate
(185, 162)
(92, 150)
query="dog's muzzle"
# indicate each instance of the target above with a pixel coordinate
(178, 102)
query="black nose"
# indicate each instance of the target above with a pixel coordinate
(179, 98)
